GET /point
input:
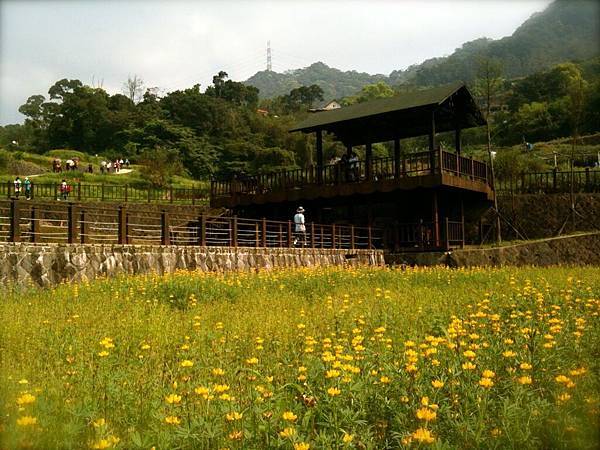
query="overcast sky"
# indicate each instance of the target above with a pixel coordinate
(175, 44)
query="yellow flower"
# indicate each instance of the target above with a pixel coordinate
(385, 380)
(252, 361)
(562, 379)
(172, 420)
(287, 432)
(289, 416)
(233, 416)
(218, 372)
(219, 388)
(26, 421)
(332, 373)
(437, 384)
(426, 414)
(236, 435)
(468, 366)
(469, 354)
(301, 446)
(201, 390)
(333, 391)
(564, 397)
(524, 380)
(508, 354)
(525, 366)
(101, 444)
(23, 381)
(99, 423)
(423, 435)
(173, 398)
(103, 353)
(486, 382)
(25, 399)
(347, 438)
(186, 363)
(488, 374)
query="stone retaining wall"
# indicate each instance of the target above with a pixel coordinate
(50, 264)
(582, 249)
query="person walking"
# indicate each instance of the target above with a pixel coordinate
(17, 184)
(64, 189)
(300, 227)
(27, 186)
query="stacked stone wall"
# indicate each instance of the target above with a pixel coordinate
(50, 264)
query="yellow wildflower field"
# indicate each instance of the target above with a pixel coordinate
(331, 358)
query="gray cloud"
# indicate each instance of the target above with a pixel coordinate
(176, 44)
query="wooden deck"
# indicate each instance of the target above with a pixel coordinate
(419, 170)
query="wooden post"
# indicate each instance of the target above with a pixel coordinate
(447, 233)
(55, 191)
(322, 236)
(432, 143)
(202, 230)
(149, 189)
(234, 231)
(122, 225)
(436, 220)
(15, 220)
(263, 232)
(462, 222)
(165, 238)
(352, 237)
(457, 140)
(8, 185)
(256, 235)
(480, 231)
(333, 236)
(472, 168)
(79, 191)
(126, 194)
(35, 224)
(397, 162)
(280, 235)
(71, 224)
(312, 235)
(170, 194)
(369, 161)
(84, 227)
(319, 145)
(289, 233)
(369, 237)
(457, 164)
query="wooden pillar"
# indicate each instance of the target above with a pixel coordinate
(312, 235)
(397, 162)
(462, 221)
(122, 225)
(35, 224)
(202, 230)
(234, 231)
(348, 150)
(333, 236)
(436, 220)
(446, 234)
(263, 241)
(352, 246)
(289, 234)
(432, 143)
(319, 156)
(165, 238)
(369, 161)
(71, 224)
(457, 140)
(15, 220)
(84, 227)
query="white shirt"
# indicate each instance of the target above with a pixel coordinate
(299, 221)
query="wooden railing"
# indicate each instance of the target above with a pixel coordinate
(108, 193)
(422, 236)
(22, 221)
(415, 164)
(553, 181)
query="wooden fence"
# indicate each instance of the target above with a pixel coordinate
(415, 164)
(21, 221)
(108, 193)
(553, 181)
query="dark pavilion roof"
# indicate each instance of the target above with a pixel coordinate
(405, 115)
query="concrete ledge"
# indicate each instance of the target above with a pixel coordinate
(580, 249)
(50, 264)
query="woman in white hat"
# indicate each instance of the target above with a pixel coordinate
(300, 227)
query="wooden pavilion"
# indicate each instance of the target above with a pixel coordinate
(420, 199)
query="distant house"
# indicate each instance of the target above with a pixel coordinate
(333, 104)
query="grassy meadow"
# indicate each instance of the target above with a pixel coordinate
(305, 359)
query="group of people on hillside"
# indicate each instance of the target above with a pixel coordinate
(26, 187)
(113, 166)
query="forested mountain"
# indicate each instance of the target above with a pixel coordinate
(334, 82)
(568, 30)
